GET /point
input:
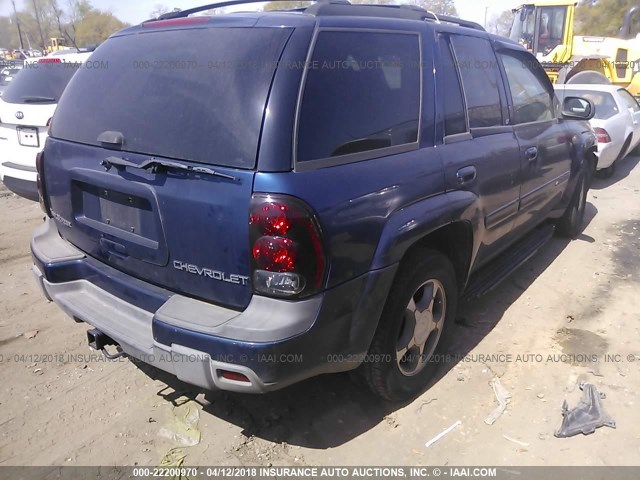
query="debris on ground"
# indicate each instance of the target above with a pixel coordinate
(174, 459)
(182, 429)
(502, 396)
(586, 416)
(426, 402)
(511, 439)
(442, 434)
(30, 334)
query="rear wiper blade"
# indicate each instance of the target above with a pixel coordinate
(36, 99)
(155, 164)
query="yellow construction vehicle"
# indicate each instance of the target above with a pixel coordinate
(56, 44)
(545, 28)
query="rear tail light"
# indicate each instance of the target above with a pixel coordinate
(42, 194)
(50, 60)
(287, 254)
(602, 135)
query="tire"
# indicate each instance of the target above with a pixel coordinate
(589, 76)
(624, 152)
(399, 376)
(570, 224)
(607, 172)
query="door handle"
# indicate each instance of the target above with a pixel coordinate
(531, 154)
(466, 175)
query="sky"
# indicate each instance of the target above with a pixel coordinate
(137, 11)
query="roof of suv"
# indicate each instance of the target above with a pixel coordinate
(341, 8)
(302, 16)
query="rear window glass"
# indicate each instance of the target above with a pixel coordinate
(604, 102)
(40, 82)
(195, 94)
(362, 93)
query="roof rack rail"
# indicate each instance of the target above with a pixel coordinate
(211, 6)
(338, 7)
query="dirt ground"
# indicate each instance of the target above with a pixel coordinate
(569, 315)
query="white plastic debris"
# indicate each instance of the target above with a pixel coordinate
(502, 396)
(442, 434)
(511, 439)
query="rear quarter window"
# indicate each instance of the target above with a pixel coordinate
(361, 94)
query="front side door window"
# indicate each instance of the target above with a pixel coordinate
(532, 101)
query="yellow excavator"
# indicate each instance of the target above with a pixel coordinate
(56, 44)
(545, 28)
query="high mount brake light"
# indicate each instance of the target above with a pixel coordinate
(287, 254)
(175, 22)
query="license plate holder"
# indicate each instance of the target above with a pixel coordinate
(28, 136)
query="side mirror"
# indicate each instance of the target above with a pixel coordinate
(577, 108)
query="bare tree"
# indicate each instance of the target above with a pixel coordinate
(37, 15)
(158, 10)
(501, 24)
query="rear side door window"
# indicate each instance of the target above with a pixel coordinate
(450, 90)
(480, 77)
(530, 91)
(361, 96)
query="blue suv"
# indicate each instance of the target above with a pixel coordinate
(251, 199)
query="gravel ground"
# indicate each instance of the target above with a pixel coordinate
(569, 315)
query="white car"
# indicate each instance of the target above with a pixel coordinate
(26, 108)
(616, 122)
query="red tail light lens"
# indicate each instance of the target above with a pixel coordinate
(235, 376)
(42, 194)
(287, 255)
(275, 254)
(49, 60)
(602, 135)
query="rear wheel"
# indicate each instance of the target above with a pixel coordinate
(570, 224)
(414, 327)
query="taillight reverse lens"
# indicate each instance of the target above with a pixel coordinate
(602, 135)
(287, 253)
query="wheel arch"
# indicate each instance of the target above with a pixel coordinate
(455, 241)
(445, 223)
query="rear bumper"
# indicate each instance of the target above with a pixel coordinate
(274, 343)
(20, 179)
(607, 154)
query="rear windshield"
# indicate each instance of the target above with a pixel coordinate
(193, 94)
(40, 82)
(603, 101)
